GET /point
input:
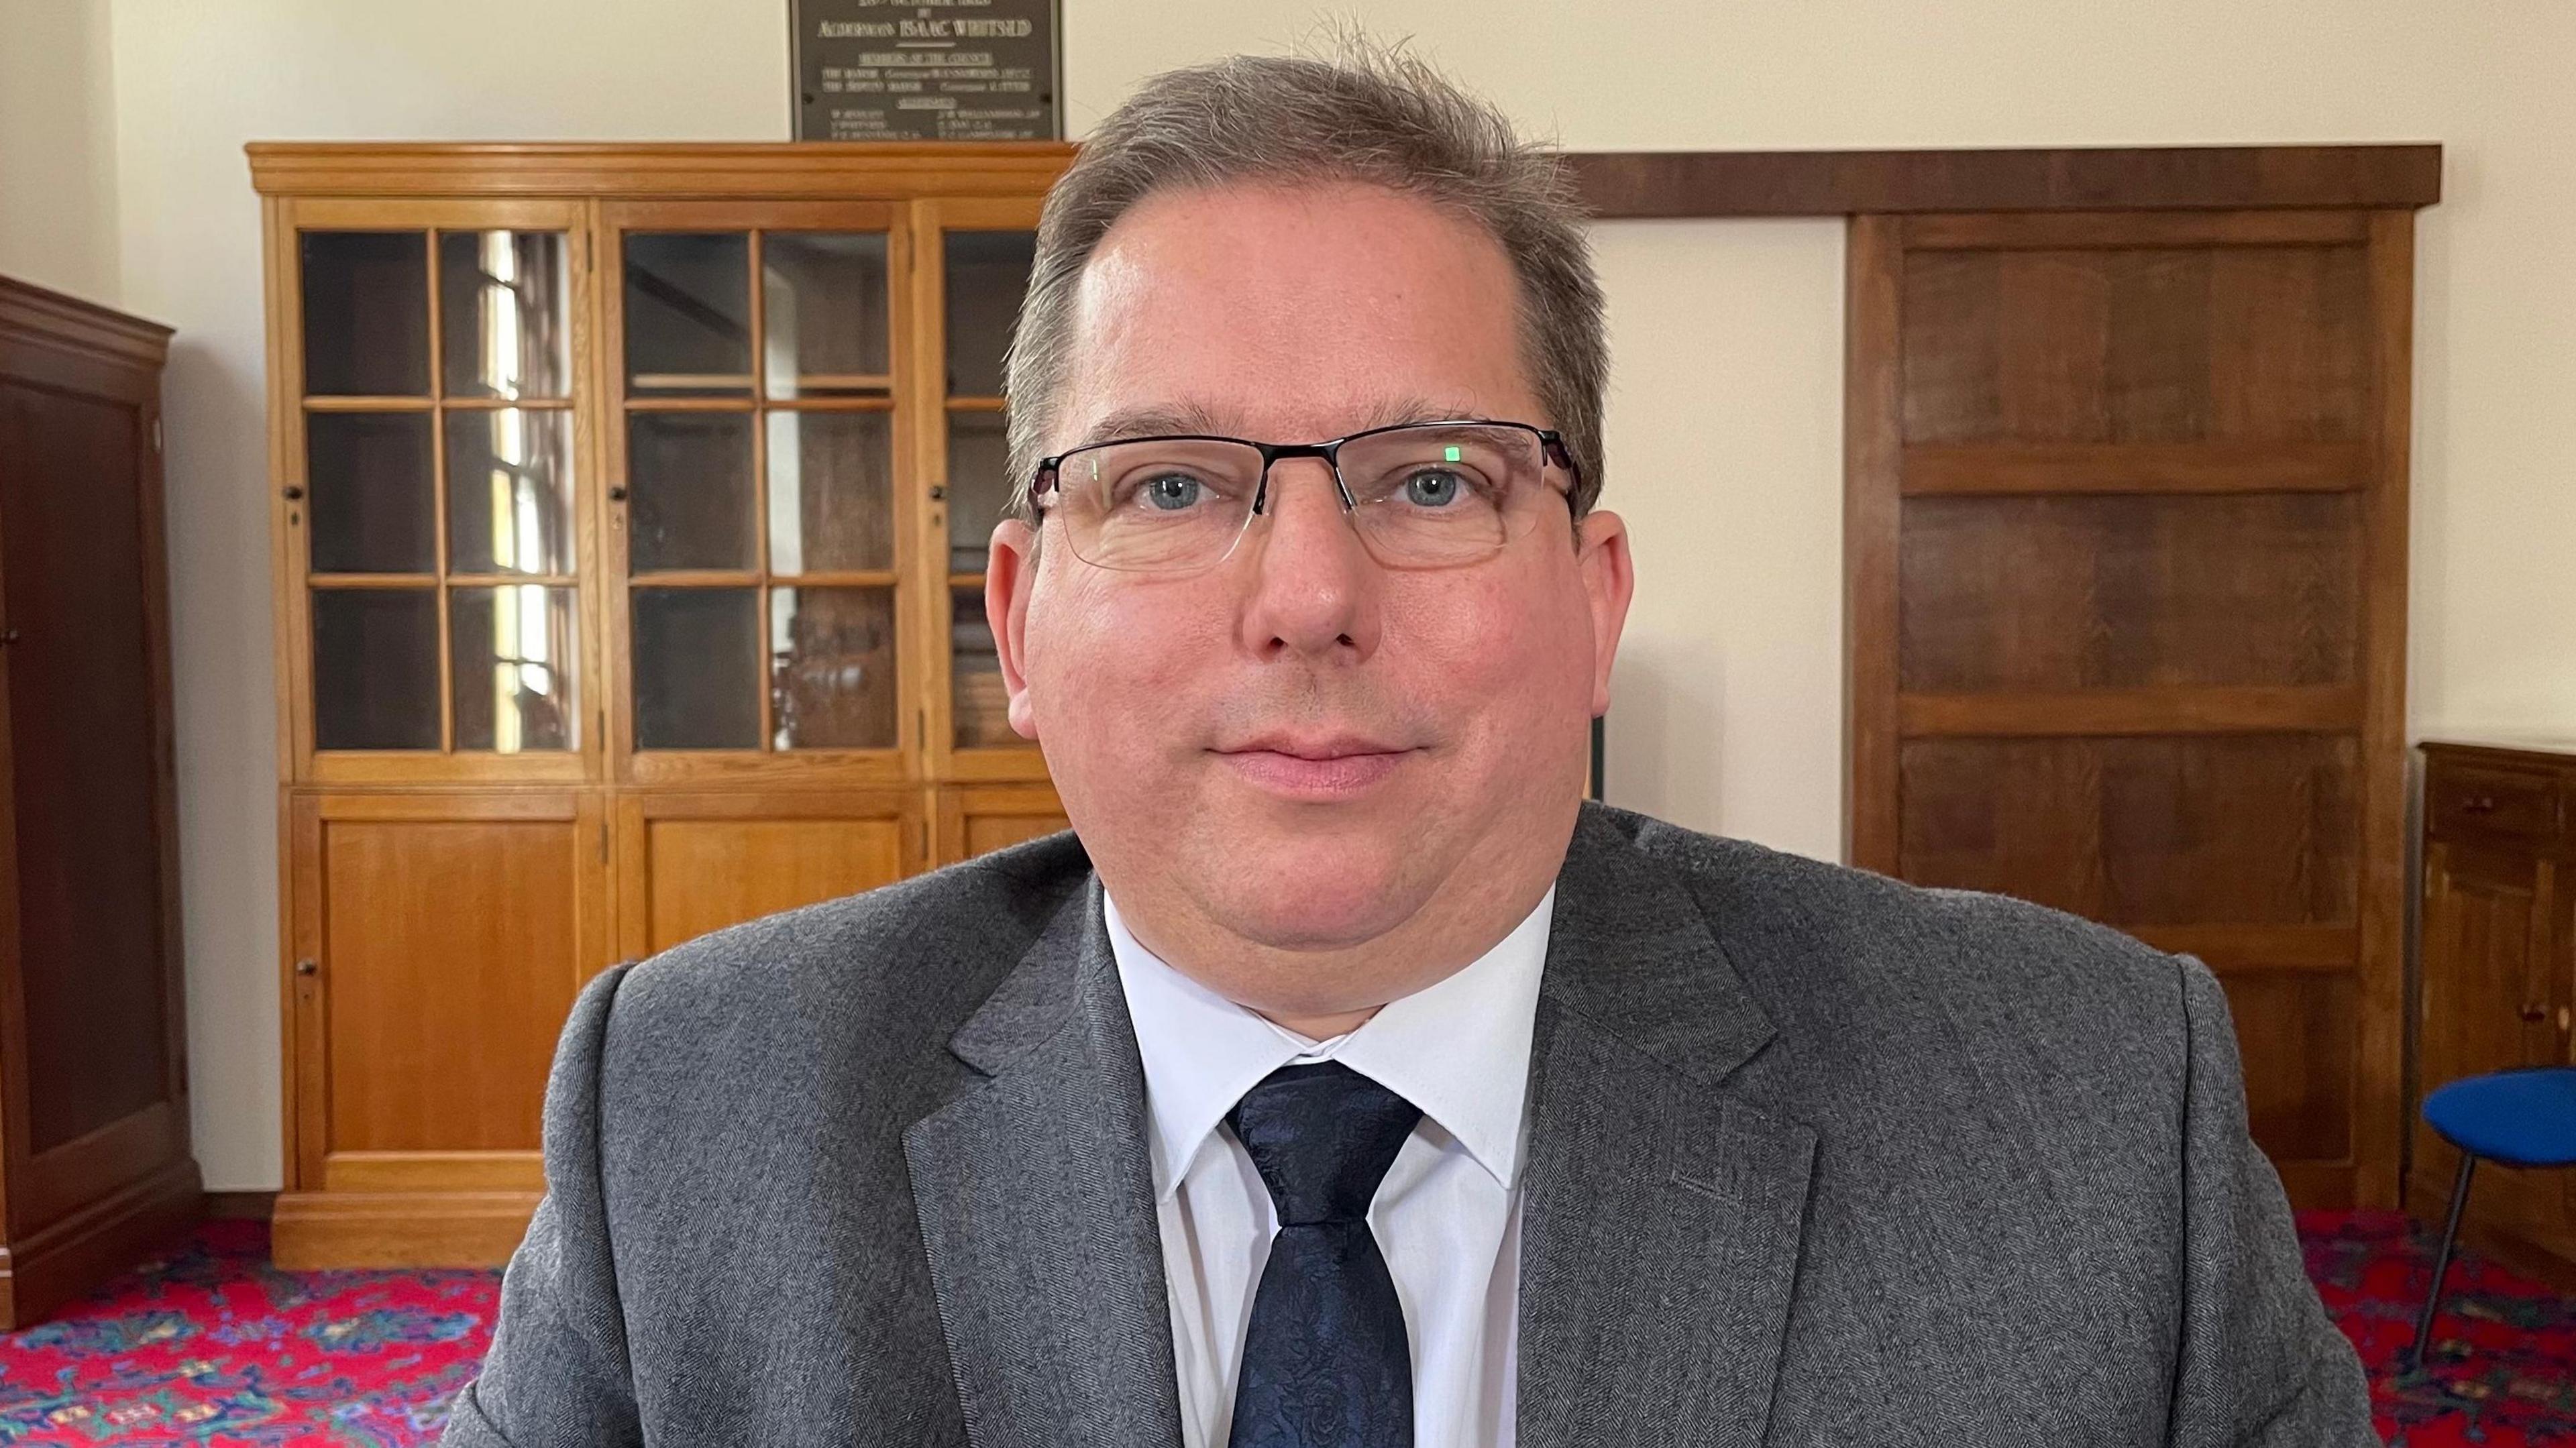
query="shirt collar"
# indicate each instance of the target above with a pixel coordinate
(1458, 1048)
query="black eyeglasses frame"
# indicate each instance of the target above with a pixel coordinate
(1552, 449)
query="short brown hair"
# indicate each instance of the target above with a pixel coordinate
(1372, 115)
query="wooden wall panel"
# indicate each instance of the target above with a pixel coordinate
(2134, 591)
(2254, 829)
(2125, 503)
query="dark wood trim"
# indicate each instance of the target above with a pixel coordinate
(1873, 465)
(2114, 230)
(2381, 1131)
(2252, 949)
(1616, 185)
(2191, 467)
(32, 314)
(2165, 709)
(810, 170)
(240, 1206)
(1635, 185)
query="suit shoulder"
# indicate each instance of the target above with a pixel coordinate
(908, 947)
(1800, 927)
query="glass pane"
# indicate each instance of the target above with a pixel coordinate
(831, 492)
(505, 313)
(367, 492)
(979, 487)
(375, 668)
(509, 492)
(688, 312)
(831, 655)
(697, 668)
(689, 494)
(511, 649)
(366, 313)
(824, 307)
(982, 710)
(988, 271)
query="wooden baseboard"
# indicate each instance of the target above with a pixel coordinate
(240, 1206)
(2317, 1185)
(65, 1259)
(312, 1230)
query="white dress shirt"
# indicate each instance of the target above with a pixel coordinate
(1447, 1216)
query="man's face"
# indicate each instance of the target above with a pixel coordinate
(1298, 749)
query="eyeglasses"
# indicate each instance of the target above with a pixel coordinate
(1420, 494)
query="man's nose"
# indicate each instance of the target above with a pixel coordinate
(1314, 585)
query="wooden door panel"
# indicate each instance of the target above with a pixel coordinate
(2136, 346)
(451, 954)
(979, 819)
(2298, 1031)
(708, 874)
(84, 761)
(2249, 829)
(2483, 972)
(693, 863)
(2129, 591)
(2490, 995)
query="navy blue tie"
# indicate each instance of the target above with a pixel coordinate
(1325, 1361)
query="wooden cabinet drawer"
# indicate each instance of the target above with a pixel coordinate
(2469, 800)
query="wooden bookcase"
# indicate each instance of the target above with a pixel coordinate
(95, 1165)
(629, 506)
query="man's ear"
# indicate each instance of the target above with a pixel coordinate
(1009, 572)
(1609, 582)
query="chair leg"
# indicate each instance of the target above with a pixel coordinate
(2442, 1261)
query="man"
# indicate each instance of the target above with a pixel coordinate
(1342, 1080)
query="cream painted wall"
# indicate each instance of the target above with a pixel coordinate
(1725, 458)
(58, 147)
(1728, 713)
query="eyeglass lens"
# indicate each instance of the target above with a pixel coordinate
(1424, 496)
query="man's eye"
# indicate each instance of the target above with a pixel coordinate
(1170, 492)
(1433, 487)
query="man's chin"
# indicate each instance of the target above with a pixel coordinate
(1318, 903)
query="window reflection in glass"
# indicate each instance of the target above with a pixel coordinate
(831, 492)
(513, 662)
(832, 668)
(509, 492)
(505, 313)
(688, 312)
(824, 307)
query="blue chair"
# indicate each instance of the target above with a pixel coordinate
(2520, 1118)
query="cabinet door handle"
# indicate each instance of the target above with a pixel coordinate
(2533, 1015)
(307, 967)
(2483, 804)
(617, 494)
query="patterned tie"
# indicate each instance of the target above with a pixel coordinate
(1325, 1362)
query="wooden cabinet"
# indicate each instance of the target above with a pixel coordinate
(2498, 980)
(94, 1156)
(630, 507)
(2126, 530)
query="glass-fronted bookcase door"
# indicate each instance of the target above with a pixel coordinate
(975, 259)
(430, 375)
(760, 489)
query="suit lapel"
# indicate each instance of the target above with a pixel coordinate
(1662, 1218)
(1036, 1206)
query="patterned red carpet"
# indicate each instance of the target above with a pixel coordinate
(211, 1345)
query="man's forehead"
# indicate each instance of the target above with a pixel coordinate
(1259, 419)
(1290, 314)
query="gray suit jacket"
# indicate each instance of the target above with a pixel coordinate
(1814, 1158)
